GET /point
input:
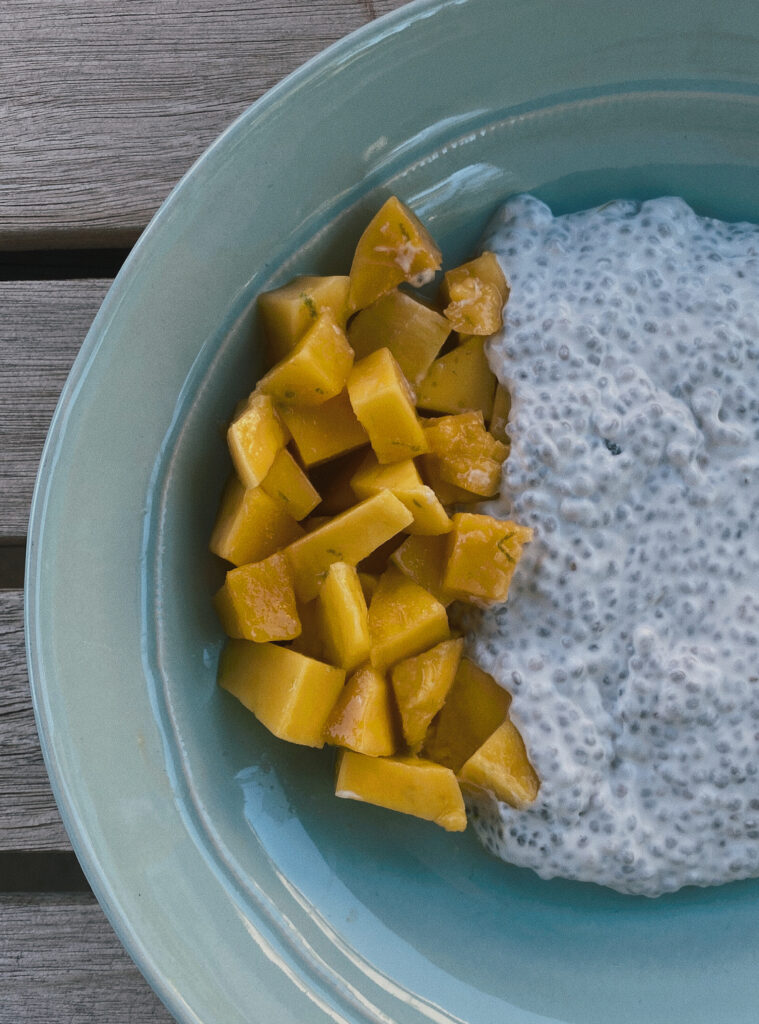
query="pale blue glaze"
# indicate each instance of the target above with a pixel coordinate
(242, 888)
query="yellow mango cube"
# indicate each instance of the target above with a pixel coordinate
(362, 718)
(465, 453)
(316, 369)
(349, 537)
(500, 418)
(412, 331)
(474, 295)
(251, 525)
(423, 560)
(325, 431)
(459, 381)
(404, 619)
(288, 312)
(409, 785)
(482, 554)
(395, 247)
(286, 482)
(343, 616)
(257, 602)
(289, 693)
(254, 438)
(384, 404)
(421, 684)
(474, 708)
(501, 767)
(402, 478)
(447, 493)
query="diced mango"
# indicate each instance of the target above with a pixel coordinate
(459, 381)
(349, 537)
(448, 494)
(258, 602)
(290, 694)
(406, 784)
(254, 438)
(422, 559)
(316, 369)
(362, 718)
(286, 482)
(325, 431)
(404, 619)
(421, 685)
(250, 525)
(475, 294)
(384, 404)
(500, 418)
(343, 617)
(474, 708)
(395, 247)
(288, 312)
(402, 478)
(465, 453)
(501, 767)
(482, 555)
(412, 331)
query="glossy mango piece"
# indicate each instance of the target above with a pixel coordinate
(384, 405)
(403, 479)
(251, 525)
(482, 554)
(459, 381)
(257, 602)
(404, 619)
(409, 785)
(362, 718)
(343, 617)
(500, 417)
(501, 767)
(254, 438)
(474, 295)
(423, 559)
(287, 483)
(474, 708)
(411, 330)
(289, 693)
(349, 537)
(421, 684)
(447, 493)
(315, 370)
(465, 453)
(324, 431)
(395, 247)
(289, 311)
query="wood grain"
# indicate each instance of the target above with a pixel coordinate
(104, 106)
(42, 327)
(61, 963)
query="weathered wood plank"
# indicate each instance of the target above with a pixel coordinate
(29, 818)
(61, 963)
(42, 327)
(104, 106)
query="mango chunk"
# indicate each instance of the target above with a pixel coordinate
(288, 312)
(286, 482)
(412, 331)
(410, 785)
(343, 615)
(290, 694)
(475, 294)
(324, 431)
(482, 555)
(362, 718)
(251, 525)
(421, 685)
(465, 454)
(349, 537)
(395, 247)
(501, 767)
(448, 494)
(384, 404)
(500, 417)
(402, 478)
(257, 602)
(316, 369)
(422, 559)
(404, 619)
(474, 708)
(459, 381)
(254, 438)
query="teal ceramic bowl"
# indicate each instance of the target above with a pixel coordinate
(241, 887)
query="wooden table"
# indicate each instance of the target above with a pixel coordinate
(102, 107)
